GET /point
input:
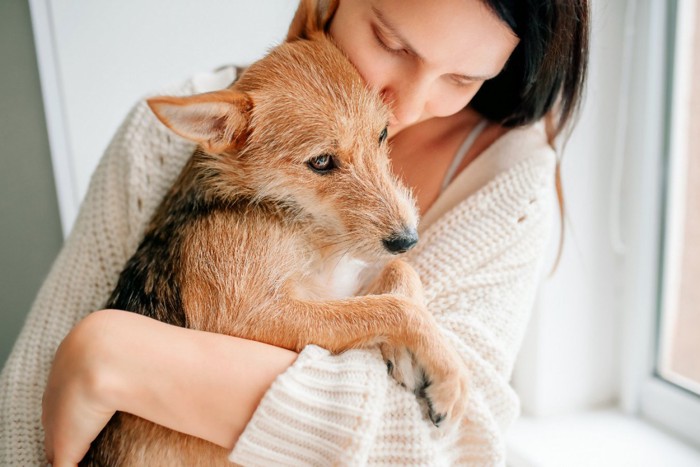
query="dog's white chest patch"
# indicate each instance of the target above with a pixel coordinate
(334, 278)
(344, 279)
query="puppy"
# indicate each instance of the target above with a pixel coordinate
(288, 195)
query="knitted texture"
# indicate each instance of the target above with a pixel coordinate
(479, 263)
(480, 266)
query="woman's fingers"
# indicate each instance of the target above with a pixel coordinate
(73, 406)
(113, 360)
(72, 425)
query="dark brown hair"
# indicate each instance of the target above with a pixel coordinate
(543, 78)
(545, 75)
(546, 72)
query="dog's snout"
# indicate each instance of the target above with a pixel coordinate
(402, 241)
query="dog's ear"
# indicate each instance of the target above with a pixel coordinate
(217, 121)
(311, 16)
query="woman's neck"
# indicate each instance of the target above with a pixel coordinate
(422, 153)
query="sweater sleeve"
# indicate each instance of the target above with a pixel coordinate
(480, 266)
(137, 168)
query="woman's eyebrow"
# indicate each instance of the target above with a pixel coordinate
(411, 50)
(392, 29)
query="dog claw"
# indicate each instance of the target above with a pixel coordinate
(437, 419)
(402, 367)
(421, 388)
(445, 400)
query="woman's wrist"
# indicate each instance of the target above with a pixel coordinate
(78, 399)
(87, 346)
(203, 384)
(102, 341)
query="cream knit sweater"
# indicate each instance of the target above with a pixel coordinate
(479, 257)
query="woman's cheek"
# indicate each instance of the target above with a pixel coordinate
(376, 70)
(451, 101)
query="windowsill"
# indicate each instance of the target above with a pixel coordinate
(603, 438)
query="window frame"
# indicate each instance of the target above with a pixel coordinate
(653, 155)
(680, 92)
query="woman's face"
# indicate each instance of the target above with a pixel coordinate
(427, 57)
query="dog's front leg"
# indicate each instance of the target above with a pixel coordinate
(399, 277)
(359, 322)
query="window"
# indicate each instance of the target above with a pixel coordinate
(668, 389)
(679, 341)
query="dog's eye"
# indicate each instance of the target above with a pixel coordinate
(322, 164)
(383, 135)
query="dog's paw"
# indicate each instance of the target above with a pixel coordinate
(446, 397)
(402, 366)
(398, 277)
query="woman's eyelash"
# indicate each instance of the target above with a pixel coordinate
(381, 42)
(383, 45)
(461, 83)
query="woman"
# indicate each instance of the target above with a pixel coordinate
(470, 83)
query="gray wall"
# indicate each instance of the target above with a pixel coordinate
(30, 234)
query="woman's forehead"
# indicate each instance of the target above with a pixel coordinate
(465, 36)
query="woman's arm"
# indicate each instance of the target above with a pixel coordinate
(140, 164)
(199, 383)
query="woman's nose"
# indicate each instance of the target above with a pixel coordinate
(407, 100)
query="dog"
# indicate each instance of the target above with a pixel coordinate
(288, 198)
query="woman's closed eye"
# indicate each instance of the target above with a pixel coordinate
(386, 44)
(461, 81)
(396, 48)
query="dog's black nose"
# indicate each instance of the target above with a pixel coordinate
(401, 242)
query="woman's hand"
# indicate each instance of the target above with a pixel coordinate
(199, 383)
(76, 403)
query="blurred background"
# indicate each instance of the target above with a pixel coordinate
(609, 373)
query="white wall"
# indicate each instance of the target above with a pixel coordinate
(570, 357)
(98, 57)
